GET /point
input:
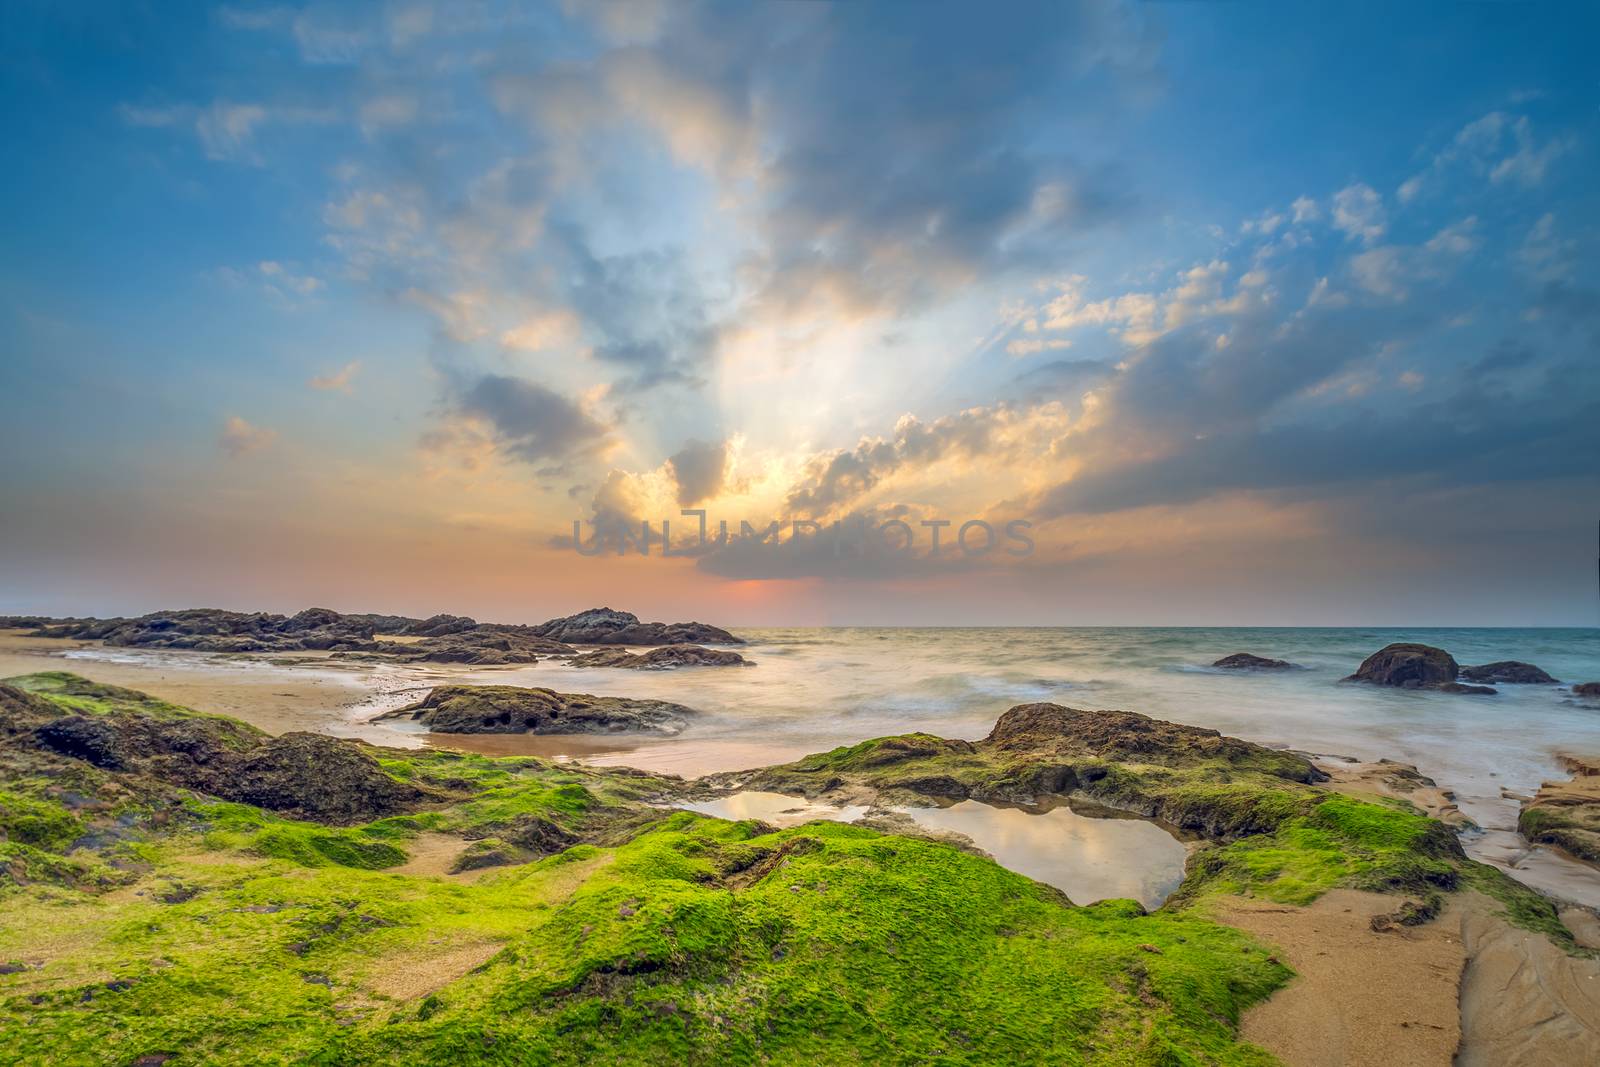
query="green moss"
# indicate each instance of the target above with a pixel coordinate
(827, 944)
(1337, 841)
(31, 821)
(75, 693)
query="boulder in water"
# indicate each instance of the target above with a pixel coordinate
(1245, 661)
(1507, 672)
(1587, 690)
(604, 626)
(1408, 666)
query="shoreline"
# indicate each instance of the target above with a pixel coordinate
(1466, 987)
(281, 692)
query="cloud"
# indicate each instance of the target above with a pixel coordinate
(239, 438)
(1358, 211)
(836, 477)
(533, 423)
(700, 468)
(1498, 146)
(339, 380)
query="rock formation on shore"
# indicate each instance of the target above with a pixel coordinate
(603, 626)
(665, 658)
(505, 709)
(1587, 690)
(1567, 814)
(483, 646)
(1245, 661)
(1191, 777)
(309, 775)
(440, 639)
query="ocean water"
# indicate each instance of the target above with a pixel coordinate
(812, 689)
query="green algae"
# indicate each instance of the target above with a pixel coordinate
(828, 943)
(608, 930)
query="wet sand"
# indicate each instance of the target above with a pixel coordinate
(313, 691)
(1467, 988)
(275, 699)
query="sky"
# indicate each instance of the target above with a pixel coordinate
(1236, 313)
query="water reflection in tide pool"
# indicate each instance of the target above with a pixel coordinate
(1087, 857)
(776, 808)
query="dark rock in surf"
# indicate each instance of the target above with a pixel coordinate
(1587, 690)
(1244, 661)
(603, 626)
(1408, 666)
(1507, 672)
(665, 658)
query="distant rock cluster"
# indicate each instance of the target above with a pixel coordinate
(603, 626)
(439, 639)
(1414, 666)
(1408, 665)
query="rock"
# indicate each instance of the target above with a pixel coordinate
(1470, 690)
(1408, 666)
(504, 709)
(326, 779)
(603, 626)
(667, 657)
(1507, 672)
(1244, 661)
(1128, 737)
(1587, 690)
(479, 647)
(311, 776)
(1191, 777)
(80, 737)
(1567, 814)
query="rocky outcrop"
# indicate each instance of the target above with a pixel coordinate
(1189, 776)
(215, 630)
(1408, 666)
(505, 709)
(603, 626)
(1507, 672)
(309, 776)
(1244, 661)
(441, 638)
(1587, 690)
(1128, 737)
(326, 779)
(483, 647)
(665, 658)
(1567, 814)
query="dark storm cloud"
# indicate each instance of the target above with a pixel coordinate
(532, 422)
(1523, 412)
(699, 468)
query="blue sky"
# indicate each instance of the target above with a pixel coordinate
(1261, 313)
